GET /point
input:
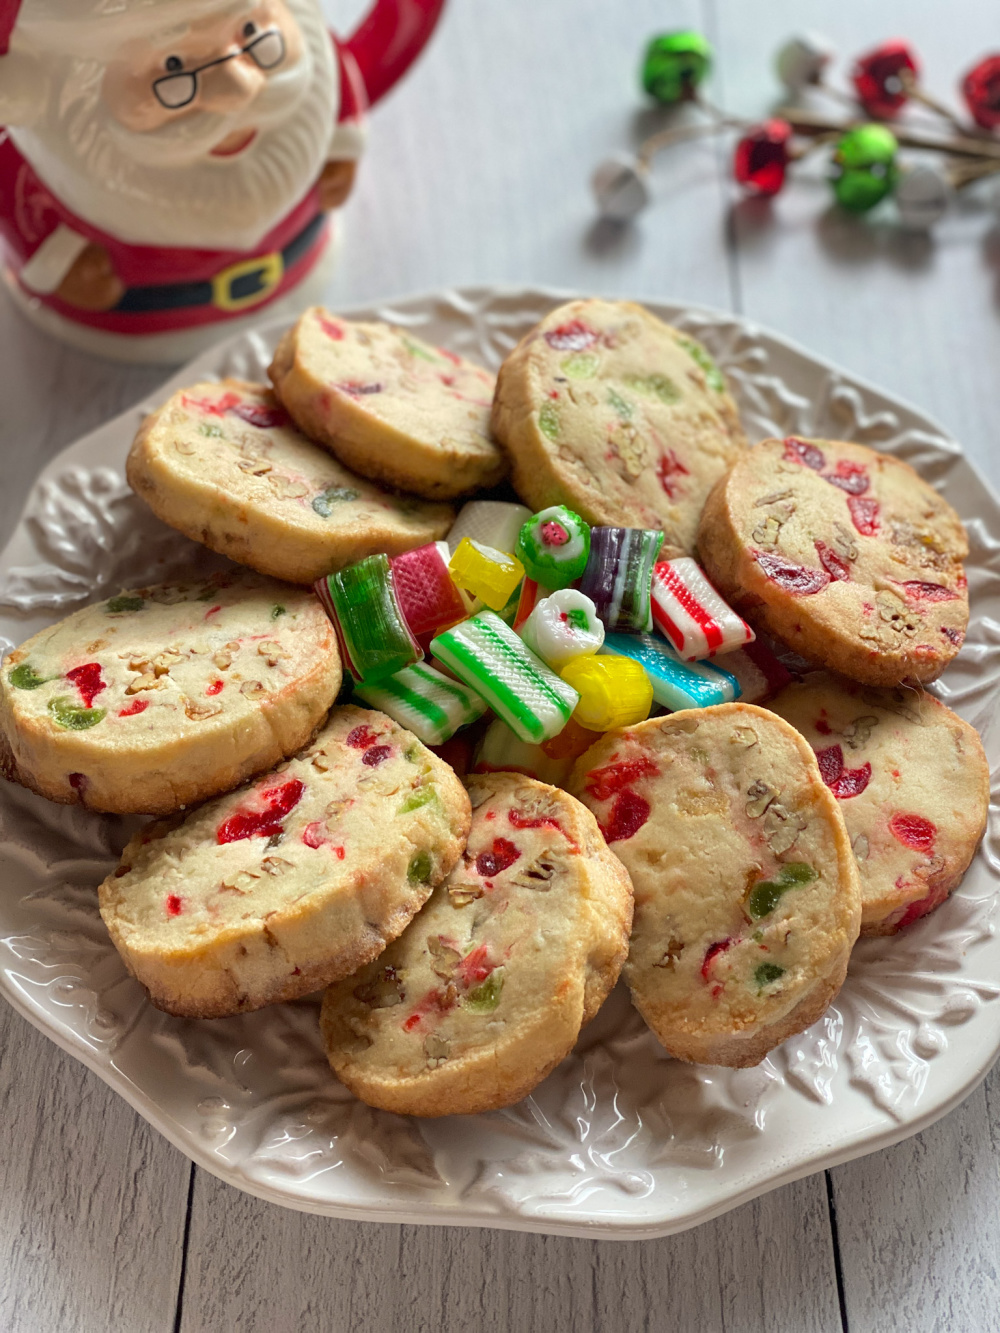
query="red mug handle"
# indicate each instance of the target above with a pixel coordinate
(389, 39)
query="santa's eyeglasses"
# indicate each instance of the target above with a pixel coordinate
(176, 90)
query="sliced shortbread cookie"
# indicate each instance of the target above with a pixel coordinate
(166, 695)
(389, 405)
(224, 464)
(747, 901)
(488, 988)
(913, 785)
(604, 408)
(277, 889)
(844, 554)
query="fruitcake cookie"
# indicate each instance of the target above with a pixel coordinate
(912, 783)
(747, 901)
(284, 886)
(388, 405)
(488, 988)
(626, 420)
(223, 464)
(843, 553)
(163, 696)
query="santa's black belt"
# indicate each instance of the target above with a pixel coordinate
(242, 284)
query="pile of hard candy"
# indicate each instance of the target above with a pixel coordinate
(562, 629)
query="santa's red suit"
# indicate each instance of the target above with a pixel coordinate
(168, 289)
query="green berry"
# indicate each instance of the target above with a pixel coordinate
(864, 168)
(674, 65)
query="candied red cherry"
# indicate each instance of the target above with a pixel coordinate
(761, 157)
(881, 77)
(981, 90)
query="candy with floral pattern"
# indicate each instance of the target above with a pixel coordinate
(553, 545)
(562, 626)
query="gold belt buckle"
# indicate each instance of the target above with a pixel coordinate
(271, 269)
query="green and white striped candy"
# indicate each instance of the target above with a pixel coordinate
(424, 701)
(492, 660)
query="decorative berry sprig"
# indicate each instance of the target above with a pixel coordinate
(864, 166)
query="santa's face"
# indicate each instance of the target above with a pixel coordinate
(241, 68)
(203, 133)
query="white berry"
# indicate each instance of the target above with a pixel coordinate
(922, 197)
(620, 187)
(801, 61)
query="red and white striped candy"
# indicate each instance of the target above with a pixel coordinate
(690, 613)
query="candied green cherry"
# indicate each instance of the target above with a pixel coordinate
(548, 421)
(334, 495)
(126, 602)
(25, 677)
(768, 972)
(418, 799)
(486, 996)
(580, 365)
(65, 713)
(697, 353)
(655, 386)
(767, 893)
(420, 868)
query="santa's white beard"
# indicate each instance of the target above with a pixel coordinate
(147, 190)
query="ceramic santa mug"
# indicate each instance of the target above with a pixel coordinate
(169, 166)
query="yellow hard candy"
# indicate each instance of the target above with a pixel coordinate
(614, 691)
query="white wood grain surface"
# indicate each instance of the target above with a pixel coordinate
(477, 172)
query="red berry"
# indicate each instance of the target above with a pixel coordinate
(880, 78)
(981, 90)
(761, 157)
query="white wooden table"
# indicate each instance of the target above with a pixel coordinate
(477, 173)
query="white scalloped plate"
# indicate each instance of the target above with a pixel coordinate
(619, 1142)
